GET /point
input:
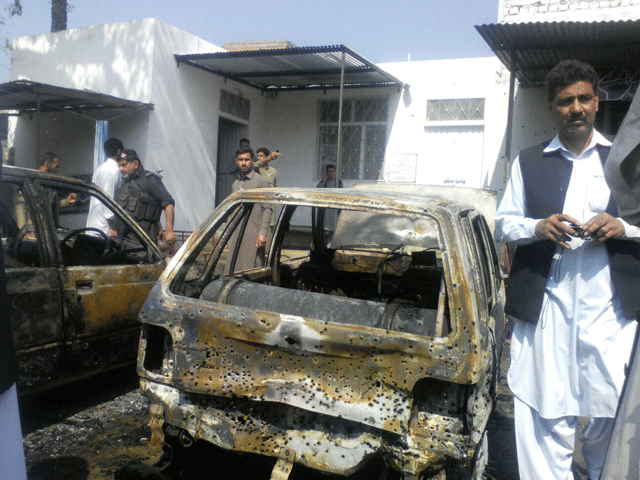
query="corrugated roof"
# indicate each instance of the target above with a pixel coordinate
(532, 49)
(24, 96)
(295, 68)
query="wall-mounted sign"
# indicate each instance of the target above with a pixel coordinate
(402, 167)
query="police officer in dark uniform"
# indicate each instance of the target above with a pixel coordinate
(144, 196)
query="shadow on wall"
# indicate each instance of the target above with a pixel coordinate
(120, 60)
(114, 59)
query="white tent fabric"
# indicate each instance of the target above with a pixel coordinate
(622, 172)
(622, 169)
(102, 134)
(623, 455)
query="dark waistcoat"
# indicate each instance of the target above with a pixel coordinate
(135, 197)
(545, 178)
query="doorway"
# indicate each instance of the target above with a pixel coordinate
(229, 135)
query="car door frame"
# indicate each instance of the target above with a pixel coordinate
(105, 334)
(35, 297)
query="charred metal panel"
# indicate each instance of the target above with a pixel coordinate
(363, 375)
(266, 368)
(100, 352)
(319, 306)
(35, 304)
(327, 443)
(36, 318)
(105, 298)
(38, 365)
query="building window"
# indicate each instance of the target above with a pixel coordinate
(234, 104)
(455, 110)
(364, 137)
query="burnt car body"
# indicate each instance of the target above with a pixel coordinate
(373, 334)
(74, 292)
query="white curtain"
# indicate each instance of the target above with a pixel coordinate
(102, 134)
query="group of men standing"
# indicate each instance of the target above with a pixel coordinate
(140, 192)
(259, 174)
(573, 293)
(259, 229)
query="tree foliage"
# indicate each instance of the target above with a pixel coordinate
(13, 9)
(59, 10)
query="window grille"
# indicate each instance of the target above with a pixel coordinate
(364, 137)
(459, 109)
(234, 104)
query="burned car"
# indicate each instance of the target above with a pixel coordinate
(74, 292)
(371, 337)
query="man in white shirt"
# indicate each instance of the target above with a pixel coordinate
(107, 177)
(570, 291)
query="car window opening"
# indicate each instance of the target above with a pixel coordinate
(373, 269)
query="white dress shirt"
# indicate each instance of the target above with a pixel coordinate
(107, 177)
(571, 362)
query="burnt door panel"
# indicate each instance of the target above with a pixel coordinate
(105, 281)
(33, 286)
(101, 310)
(36, 320)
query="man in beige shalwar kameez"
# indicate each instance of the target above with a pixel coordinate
(252, 247)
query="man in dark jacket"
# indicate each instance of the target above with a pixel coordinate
(329, 178)
(144, 196)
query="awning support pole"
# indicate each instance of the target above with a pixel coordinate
(509, 132)
(38, 146)
(339, 156)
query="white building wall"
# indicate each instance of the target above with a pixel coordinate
(183, 129)
(291, 124)
(115, 59)
(521, 11)
(450, 79)
(132, 60)
(60, 133)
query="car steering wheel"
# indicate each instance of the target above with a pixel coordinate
(107, 240)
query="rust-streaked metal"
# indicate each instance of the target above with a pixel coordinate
(337, 393)
(68, 320)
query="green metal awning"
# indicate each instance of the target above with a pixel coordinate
(25, 96)
(297, 68)
(530, 50)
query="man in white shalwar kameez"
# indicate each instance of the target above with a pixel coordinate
(573, 318)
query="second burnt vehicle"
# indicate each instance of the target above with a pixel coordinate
(367, 347)
(74, 292)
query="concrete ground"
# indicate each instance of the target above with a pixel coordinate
(503, 463)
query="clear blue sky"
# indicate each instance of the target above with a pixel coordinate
(380, 30)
